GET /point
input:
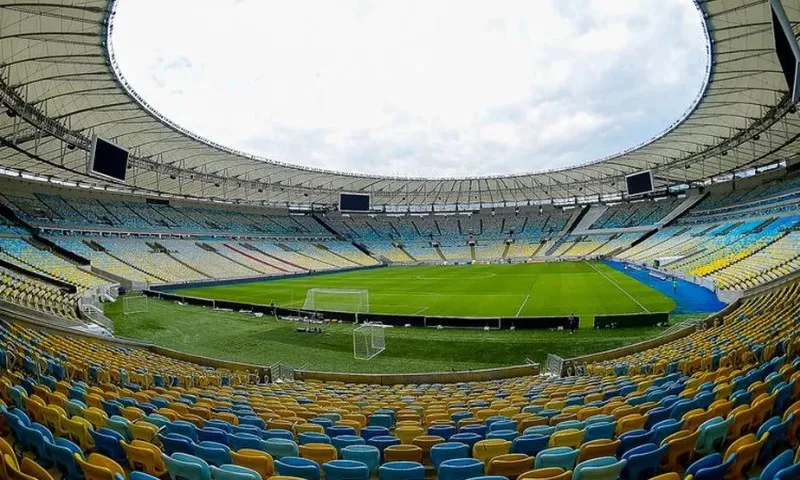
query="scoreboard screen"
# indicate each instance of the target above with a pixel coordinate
(107, 160)
(354, 202)
(639, 183)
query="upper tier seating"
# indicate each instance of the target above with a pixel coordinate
(451, 227)
(772, 192)
(50, 210)
(636, 214)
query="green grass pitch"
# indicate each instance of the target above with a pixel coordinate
(475, 290)
(524, 290)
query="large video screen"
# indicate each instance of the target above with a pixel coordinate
(787, 48)
(639, 183)
(108, 160)
(354, 202)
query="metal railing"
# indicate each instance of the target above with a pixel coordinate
(96, 316)
(553, 365)
(284, 371)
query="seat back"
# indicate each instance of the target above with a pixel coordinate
(510, 465)
(233, 472)
(183, 466)
(599, 468)
(256, 460)
(563, 457)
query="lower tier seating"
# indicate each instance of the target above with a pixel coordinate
(720, 403)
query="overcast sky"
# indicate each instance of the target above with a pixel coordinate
(417, 87)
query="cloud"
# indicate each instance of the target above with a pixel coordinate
(445, 88)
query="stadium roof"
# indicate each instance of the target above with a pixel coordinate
(59, 85)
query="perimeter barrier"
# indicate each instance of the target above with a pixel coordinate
(386, 319)
(631, 320)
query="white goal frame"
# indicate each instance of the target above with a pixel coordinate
(368, 341)
(132, 304)
(361, 305)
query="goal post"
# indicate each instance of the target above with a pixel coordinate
(337, 300)
(132, 304)
(368, 341)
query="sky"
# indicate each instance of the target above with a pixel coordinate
(433, 88)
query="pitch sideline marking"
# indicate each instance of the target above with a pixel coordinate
(610, 280)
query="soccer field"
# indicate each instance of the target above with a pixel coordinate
(522, 290)
(469, 290)
(263, 341)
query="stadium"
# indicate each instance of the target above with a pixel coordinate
(174, 307)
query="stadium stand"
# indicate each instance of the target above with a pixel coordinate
(149, 258)
(37, 295)
(524, 249)
(772, 262)
(719, 403)
(133, 214)
(407, 238)
(722, 389)
(100, 258)
(735, 246)
(24, 254)
(775, 191)
(594, 245)
(388, 252)
(715, 400)
(423, 251)
(757, 329)
(489, 250)
(635, 214)
(456, 252)
(738, 240)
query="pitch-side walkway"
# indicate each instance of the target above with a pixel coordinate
(690, 298)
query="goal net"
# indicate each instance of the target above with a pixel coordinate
(337, 300)
(134, 304)
(368, 341)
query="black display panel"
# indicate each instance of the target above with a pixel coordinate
(639, 183)
(108, 160)
(787, 48)
(354, 202)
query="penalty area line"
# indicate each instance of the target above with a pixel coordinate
(420, 310)
(614, 282)
(524, 302)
